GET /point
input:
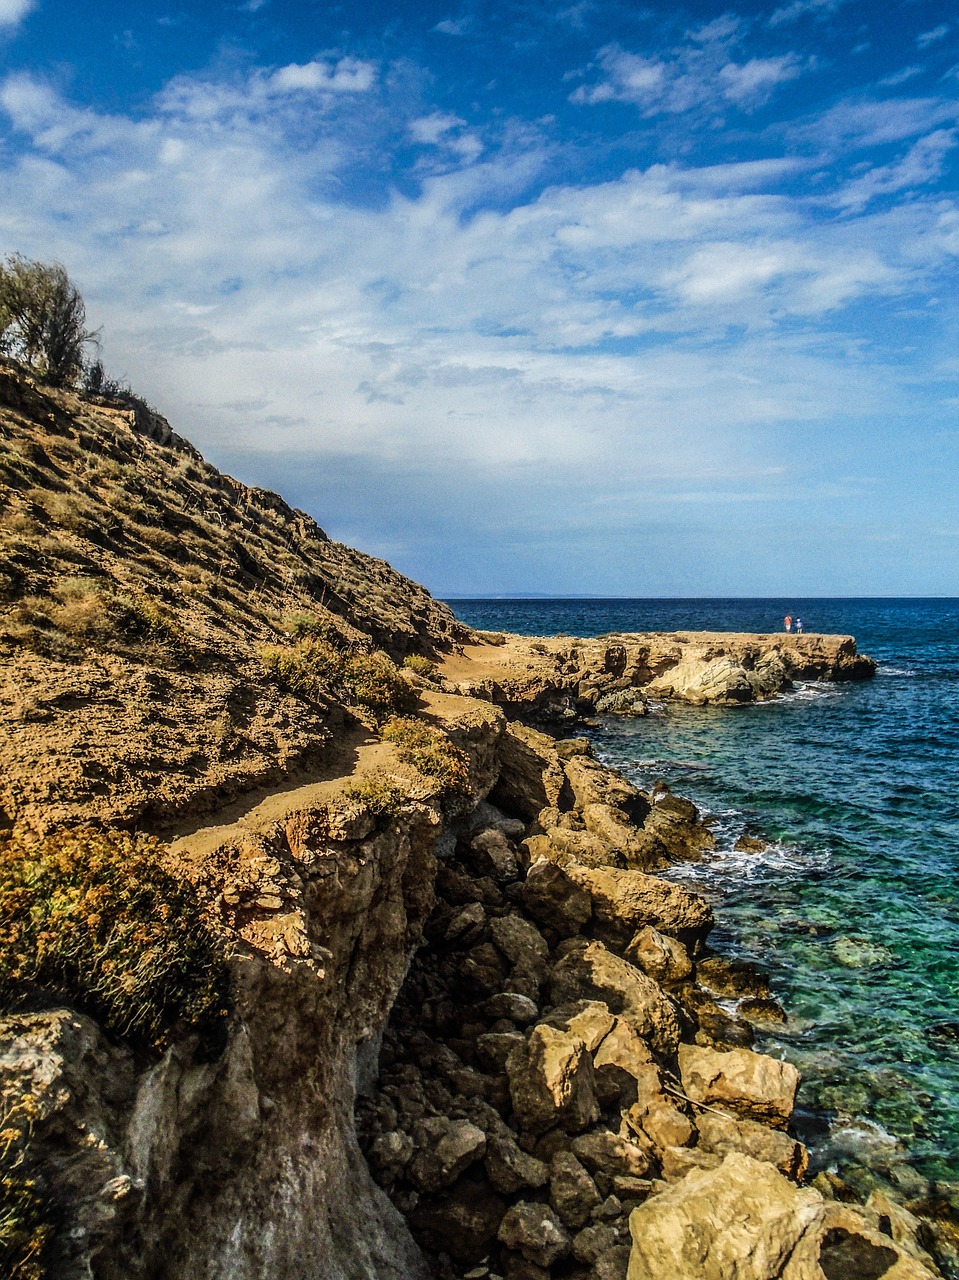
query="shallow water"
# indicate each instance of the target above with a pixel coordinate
(854, 907)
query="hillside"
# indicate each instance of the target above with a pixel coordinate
(153, 616)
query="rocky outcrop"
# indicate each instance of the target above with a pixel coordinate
(744, 1221)
(557, 679)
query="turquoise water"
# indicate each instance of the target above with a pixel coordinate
(854, 907)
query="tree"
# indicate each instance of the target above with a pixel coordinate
(42, 319)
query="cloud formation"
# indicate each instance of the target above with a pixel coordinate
(372, 295)
(12, 12)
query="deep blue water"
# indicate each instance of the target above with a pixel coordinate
(854, 907)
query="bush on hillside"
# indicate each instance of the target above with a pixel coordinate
(429, 751)
(367, 680)
(43, 319)
(92, 919)
(420, 666)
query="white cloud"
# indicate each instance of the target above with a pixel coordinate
(928, 38)
(12, 12)
(752, 82)
(349, 75)
(900, 77)
(922, 164)
(698, 74)
(455, 26)
(800, 8)
(666, 321)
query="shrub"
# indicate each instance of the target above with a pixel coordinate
(367, 680)
(420, 666)
(377, 793)
(42, 319)
(93, 919)
(24, 1219)
(430, 751)
(309, 626)
(374, 682)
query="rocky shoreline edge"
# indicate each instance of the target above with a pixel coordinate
(481, 994)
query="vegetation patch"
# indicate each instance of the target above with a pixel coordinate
(25, 1227)
(93, 919)
(377, 793)
(429, 751)
(367, 680)
(420, 666)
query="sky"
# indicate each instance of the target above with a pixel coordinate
(571, 298)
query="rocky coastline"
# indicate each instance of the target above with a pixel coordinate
(467, 1031)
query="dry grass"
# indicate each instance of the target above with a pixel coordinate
(429, 751)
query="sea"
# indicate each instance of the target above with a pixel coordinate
(853, 906)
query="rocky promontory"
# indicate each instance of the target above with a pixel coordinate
(327, 955)
(562, 677)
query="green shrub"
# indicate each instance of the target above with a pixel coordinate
(377, 793)
(374, 682)
(368, 680)
(93, 919)
(420, 666)
(302, 626)
(25, 1227)
(430, 751)
(42, 319)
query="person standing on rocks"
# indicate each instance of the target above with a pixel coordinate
(799, 626)
(788, 622)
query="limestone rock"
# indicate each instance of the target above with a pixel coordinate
(521, 942)
(676, 1162)
(536, 1232)
(554, 900)
(740, 1221)
(493, 855)
(625, 901)
(592, 972)
(511, 1005)
(445, 1155)
(665, 959)
(532, 775)
(589, 1019)
(510, 1168)
(750, 1084)
(786, 1154)
(572, 1192)
(592, 1242)
(593, 783)
(607, 1153)
(551, 1082)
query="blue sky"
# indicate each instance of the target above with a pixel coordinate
(569, 298)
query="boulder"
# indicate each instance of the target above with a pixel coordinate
(665, 959)
(554, 900)
(493, 855)
(607, 1153)
(593, 783)
(531, 774)
(676, 1162)
(510, 1169)
(749, 1084)
(731, 977)
(676, 823)
(439, 1165)
(536, 1232)
(625, 901)
(592, 1242)
(551, 1082)
(463, 1222)
(512, 1006)
(615, 830)
(740, 1221)
(589, 1019)
(494, 1047)
(786, 1154)
(592, 972)
(572, 1192)
(660, 1119)
(521, 943)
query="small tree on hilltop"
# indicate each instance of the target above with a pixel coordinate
(42, 319)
